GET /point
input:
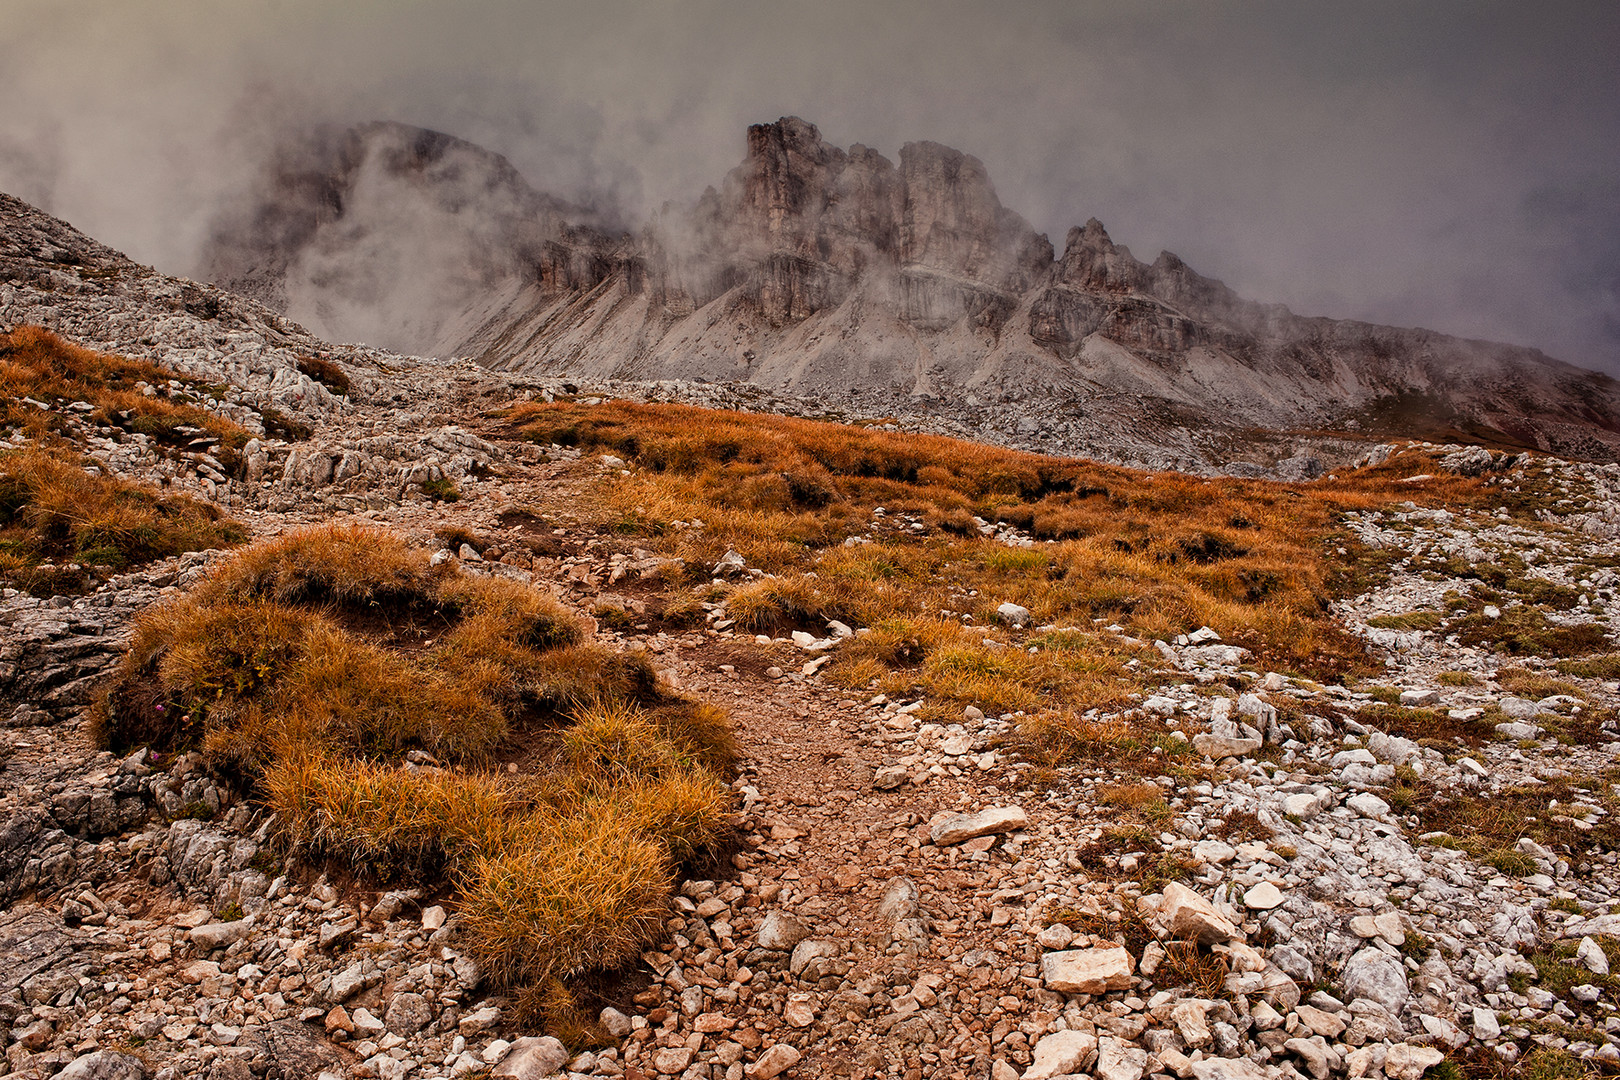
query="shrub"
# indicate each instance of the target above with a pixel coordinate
(326, 372)
(575, 893)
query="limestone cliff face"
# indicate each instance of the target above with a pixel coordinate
(839, 274)
(801, 223)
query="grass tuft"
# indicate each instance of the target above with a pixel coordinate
(55, 512)
(278, 667)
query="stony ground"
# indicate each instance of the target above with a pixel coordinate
(908, 898)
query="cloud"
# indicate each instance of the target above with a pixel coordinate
(1440, 164)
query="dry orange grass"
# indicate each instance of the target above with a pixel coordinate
(1156, 553)
(38, 364)
(268, 666)
(53, 510)
(1160, 553)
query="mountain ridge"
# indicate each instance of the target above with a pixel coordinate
(841, 275)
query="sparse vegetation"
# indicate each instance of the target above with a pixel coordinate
(1156, 554)
(1489, 827)
(37, 364)
(56, 513)
(442, 489)
(276, 667)
(1593, 667)
(326, 372)
(1412, 620)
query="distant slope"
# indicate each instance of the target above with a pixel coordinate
(840, 275)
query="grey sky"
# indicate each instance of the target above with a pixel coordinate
(1447, 164)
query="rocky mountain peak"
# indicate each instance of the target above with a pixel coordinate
(840, 274)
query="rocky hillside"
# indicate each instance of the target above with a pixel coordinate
(1044, 768)
(840, 276)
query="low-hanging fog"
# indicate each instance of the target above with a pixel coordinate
(1454, 164)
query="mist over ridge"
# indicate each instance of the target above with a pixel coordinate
(1449, 167)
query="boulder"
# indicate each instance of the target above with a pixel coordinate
(774, 1062)
(1013, 615)
(1221, 746)
(1263, 897)
(1376, 976)
(407, 1014)
(1408, 1061)
(1119, 1060)
(532, 1057)
(104, 1065)
(781, 931)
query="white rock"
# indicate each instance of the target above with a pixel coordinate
(1087, 971)
(1442, 1030)
(1215, 1068)
(1591, 956)
(773, 1062)
(103, 1065)
(1119, 1060)
(1191, 1018)
(432, 917)
(1061, 1053)
(1302, 806)
(614, 1022)
(1420, 697)
(1265, 1017)
(1056, 936)
(800, 1010)
(1214, 852)
(1013, 615)
(1518, 708)
(1486, 1026)
(781, 931)
(988, 822)
(1263, 897)
(1407, 1061)
(1368, 805)
(1219, 746)
(1376, 976)
(532, 1058)
(1192, 918)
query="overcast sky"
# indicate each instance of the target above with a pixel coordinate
(1452, 164)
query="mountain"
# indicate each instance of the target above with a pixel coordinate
(384, 234)
(841, 276)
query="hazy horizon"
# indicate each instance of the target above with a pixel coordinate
(1454, 166)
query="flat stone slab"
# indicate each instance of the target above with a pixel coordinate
(997, 819)
(1087, 971)
(1219, 746)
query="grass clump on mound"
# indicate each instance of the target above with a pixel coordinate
(276, 666)
(54, 511)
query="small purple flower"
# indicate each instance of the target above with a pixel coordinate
(160, 708)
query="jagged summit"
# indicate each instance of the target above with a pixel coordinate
(840, 275)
